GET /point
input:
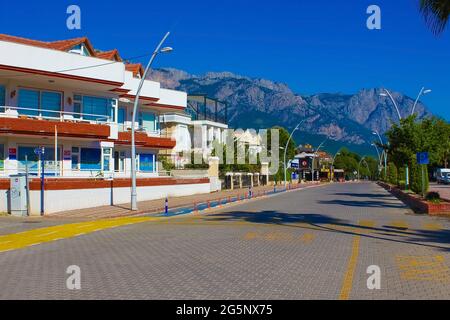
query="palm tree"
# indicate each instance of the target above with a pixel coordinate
(436, 14)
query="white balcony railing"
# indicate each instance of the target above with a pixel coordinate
(56, 115)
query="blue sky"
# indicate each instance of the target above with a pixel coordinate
(313, 46)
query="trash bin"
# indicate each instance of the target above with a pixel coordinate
(18, 195)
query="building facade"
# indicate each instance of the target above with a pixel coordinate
(75, 103)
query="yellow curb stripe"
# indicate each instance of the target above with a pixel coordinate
(351, 267)
(53, 233)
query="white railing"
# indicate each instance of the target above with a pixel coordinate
(123, 127)
(59, 115)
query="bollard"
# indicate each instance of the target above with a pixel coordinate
(195, 207)
(209, 204)
(166, 206)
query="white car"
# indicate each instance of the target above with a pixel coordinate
(443, 176)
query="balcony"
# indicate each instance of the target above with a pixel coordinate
(41, 122)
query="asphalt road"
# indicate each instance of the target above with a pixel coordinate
(314, 243)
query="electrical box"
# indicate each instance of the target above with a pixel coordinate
(18, 195)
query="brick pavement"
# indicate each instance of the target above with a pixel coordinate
(294, 245)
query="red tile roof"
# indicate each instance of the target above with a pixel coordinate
(62, 45)
(135, 68)
(109, 55)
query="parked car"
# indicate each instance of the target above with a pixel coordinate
(443, 176)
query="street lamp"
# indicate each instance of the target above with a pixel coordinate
(314, 156)
(332, 163)
(133, 121)
(423, 91)
(375, 132)
(285, 151)
(386, 94)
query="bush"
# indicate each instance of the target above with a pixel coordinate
(392, 173)
(196, 166)
(433, 196)
(416, 177)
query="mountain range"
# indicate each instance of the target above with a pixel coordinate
(346, 119)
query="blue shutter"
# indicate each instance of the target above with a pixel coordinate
(28, 99)
(51, 101)
(2, 98)
(98, 108)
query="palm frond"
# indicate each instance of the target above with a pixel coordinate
(435, 13)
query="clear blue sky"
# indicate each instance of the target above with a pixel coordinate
(313, 46)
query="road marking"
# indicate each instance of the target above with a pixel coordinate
(64, 231)
(351, 267)
(432, 226)
(347, 284)
(425, 268)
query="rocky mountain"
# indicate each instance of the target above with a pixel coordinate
(259, 103)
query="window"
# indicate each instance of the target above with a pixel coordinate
(2, 98)
(90, 159)
(148, 121)
(75, 158)
(26, 156)
(94, 108)
(146, 162)
(106, 162)
(2, 157)
(40, 103)
(80, 49)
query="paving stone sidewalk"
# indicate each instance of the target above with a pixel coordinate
(156, 206)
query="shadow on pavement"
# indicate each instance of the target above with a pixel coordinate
(364, 203)
(438, 239)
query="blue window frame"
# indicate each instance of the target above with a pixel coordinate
(146, 162)
(99, 109)
(28, 99)
(148, 121)
(40, 100)
(2, 98)
(33, 159)
(121, 115)
(90, 159)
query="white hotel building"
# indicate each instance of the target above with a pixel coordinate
(77, 102)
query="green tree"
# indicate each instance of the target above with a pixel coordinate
(392, 173)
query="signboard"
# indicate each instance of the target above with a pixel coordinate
(304, 163)
(422, 158)
(294, 165)
(67, 154)
(39, 150)
(12, 153)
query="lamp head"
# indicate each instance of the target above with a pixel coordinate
(166, 50)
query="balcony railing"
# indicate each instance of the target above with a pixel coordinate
(58, 115)
(123, 127)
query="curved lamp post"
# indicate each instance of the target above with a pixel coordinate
(423, 91)
(388, 94)
(314, 156)
(133, 121)
(285, 151)
(375, 132)
(359, 165)
(332, 162)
